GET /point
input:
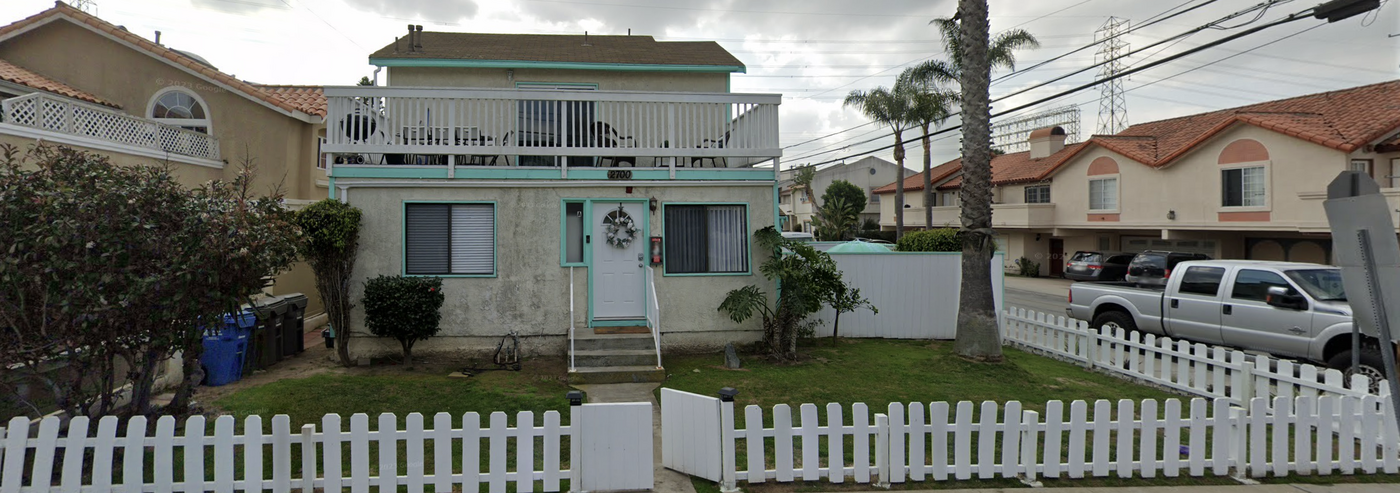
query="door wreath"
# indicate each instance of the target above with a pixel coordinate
(620, 228)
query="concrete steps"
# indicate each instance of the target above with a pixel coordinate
(614, 358)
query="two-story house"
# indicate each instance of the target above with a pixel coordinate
(868, 174)
(596, 195)
(70, 78)
(1244, 182)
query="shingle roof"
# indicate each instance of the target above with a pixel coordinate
(151, 47)
(309, 99)
(28, 78)
(631, 50)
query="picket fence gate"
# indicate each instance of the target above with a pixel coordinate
(940, 441)
(601, 456)
(1199, 369)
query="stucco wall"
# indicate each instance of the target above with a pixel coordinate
(282, 148)
(606, 80)
(531, 291)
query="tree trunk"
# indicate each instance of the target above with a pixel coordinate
(835, 327)
(899, 185)
(928, 180)
(978, 337)
(407, 352)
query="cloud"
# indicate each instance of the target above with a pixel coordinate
(446, 11)
(239, 7)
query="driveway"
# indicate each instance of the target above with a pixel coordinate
(1043, 294)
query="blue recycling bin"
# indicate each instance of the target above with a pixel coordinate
(225, 349)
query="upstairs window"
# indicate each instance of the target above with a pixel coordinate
(1103, 194)
(180, 108)
(1242, 187)
(1039, 194)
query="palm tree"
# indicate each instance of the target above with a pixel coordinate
(930, 109)
(1000, 53)
(892, 108)
(977, 337)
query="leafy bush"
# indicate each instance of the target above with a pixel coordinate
(331, 232)
(808, 278)
(404, 308)
(1027, 267)
(932, 240)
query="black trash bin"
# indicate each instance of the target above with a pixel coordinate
(267, 343)
(294, 325)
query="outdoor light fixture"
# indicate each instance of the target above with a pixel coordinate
(654, 203)
(655, 248)
(1171, 215)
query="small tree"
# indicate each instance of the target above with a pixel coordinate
(836, 220)
(847, 299)
(331, 230)
(404, 308)
(807, 278)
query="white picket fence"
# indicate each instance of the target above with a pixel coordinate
(135, 461)
(941, 441)
(1195, 368)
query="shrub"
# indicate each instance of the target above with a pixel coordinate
(932, 240)
(404, 308)
(331, 232)
(1027, 267)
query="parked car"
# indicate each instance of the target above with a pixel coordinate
(798, 236)
(1097, 266)
(1154, 268)
(1292, 310)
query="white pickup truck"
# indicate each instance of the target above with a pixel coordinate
(1293, 310)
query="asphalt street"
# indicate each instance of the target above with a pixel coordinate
(1045, 295)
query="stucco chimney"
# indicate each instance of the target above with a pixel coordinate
(1046, 141)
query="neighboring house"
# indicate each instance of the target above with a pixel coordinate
(70, 78)
(565, 187)
(868, 174)
(796, 205)
(1245, 182)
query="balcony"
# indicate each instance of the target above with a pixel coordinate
(391, 132)
(89, 122)
(1003, 216)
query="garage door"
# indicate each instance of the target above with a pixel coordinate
(1135, 244)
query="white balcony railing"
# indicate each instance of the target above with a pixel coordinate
(708, 129)
(46, 112)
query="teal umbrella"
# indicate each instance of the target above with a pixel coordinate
(858, 247)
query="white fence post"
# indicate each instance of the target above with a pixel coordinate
(575, 441)
(882, 450)
(728, 482)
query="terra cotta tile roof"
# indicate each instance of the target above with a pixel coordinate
(916, 181)
(632, 50)
(151, 47)
(28, 78)
(1007, 169)
(309, 99)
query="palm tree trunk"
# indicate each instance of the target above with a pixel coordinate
(978, 337)
(899, 187)
(928, 180)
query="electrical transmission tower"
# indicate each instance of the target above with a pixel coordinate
(1113, 106)
(88, 6)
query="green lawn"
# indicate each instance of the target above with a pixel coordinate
(878, 372)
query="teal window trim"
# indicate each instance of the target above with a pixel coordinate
(495, 238)
(613, 67)
(585, 226)
(748, 225)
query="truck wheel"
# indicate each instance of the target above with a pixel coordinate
(1114, 321)
(1372, 365)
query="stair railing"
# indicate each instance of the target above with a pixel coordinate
(654, 313)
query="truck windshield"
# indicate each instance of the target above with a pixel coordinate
(1322, 284)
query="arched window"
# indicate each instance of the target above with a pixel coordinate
(173, 106)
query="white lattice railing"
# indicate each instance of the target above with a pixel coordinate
(46, 112)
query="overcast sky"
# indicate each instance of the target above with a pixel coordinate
(813, 52)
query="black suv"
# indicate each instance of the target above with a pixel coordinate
(1155, 267)
(1097, 266)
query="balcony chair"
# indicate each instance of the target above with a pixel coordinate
(468, 136)
(715, 162)
(605, 135)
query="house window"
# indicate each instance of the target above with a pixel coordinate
(573, 233)
(1242, 187)
(554, 123)
(1364, 166)
(179, 108)
(874, 197)
(949, 199)
(1039, 194)
(706, 239)
(450, 239)
(1103, 194)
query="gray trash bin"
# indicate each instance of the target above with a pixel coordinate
(294, 324)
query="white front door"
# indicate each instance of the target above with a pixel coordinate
(619, 290)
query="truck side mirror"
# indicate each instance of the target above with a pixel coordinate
(1281, 297)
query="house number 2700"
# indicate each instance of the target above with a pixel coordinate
(619, 174)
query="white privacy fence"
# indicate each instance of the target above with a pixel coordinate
(921, 306)
(1200, 369)
(941, 441)
(451, 453)
(45, 112)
